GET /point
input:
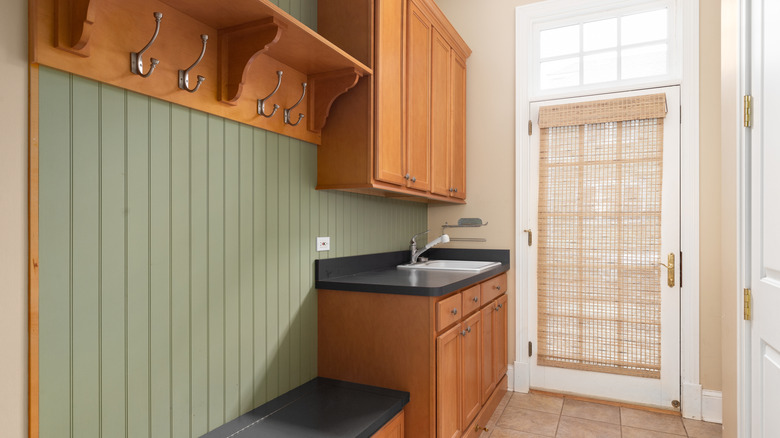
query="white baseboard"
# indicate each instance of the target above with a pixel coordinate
(691, 401)
(712, 406)
(510, 377)
(522, 375)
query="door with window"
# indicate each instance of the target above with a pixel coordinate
(604, 265)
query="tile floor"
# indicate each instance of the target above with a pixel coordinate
(537, 415)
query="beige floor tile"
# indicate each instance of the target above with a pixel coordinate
(526, 420)
(702, 429)
(570, 427)
(652, 421)
(509, 433)
(632, 432)
(536, 402)
(591, 411)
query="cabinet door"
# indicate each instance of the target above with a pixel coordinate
(393, 429)
(499, 339)
(418, 99)
(448, 375)
(458, 127)
(471, 365)
(440, 115)
(487, 381)
(389, 75)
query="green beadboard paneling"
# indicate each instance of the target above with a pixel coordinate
(177, 261)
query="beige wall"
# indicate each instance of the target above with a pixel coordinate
(730, 289)
(490, 32)
(13, 219)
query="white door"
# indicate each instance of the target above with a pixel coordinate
(663, 391)
(764, 221)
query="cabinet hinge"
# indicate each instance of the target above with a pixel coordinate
(747, 304)
(747, 121)
(530, 127)
(530, 348)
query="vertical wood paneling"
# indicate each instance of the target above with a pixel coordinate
(137, 189)
(54, 248)
(216, 272)
(177, 255)
(232, 354)
(180, 272)
(85, 257)
(160, 269)
(113, 365)
(199, 272)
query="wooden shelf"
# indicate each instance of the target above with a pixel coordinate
(249, 40)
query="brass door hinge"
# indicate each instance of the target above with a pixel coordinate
(530, 127)
(530, 348)
(530, 236)
(747, 304)
(747, 109)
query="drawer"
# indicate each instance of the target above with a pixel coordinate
(471, 299)
(493, 288)
(448, 311)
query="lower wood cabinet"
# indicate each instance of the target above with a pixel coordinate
(449, 353)
(393, 429)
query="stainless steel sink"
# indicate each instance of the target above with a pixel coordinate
(451, 265)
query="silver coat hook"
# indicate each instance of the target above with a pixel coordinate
(261, 102)
(184, 75)
(136, 58)
(287, 110)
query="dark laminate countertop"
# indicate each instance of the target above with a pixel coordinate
(378, 273)
(319, 408)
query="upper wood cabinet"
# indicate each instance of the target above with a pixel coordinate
(401, 132)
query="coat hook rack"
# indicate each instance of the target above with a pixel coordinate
(184, 75)
(261, 102)
(287, 110)
(136, 58)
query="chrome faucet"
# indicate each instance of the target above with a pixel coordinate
(413, 245)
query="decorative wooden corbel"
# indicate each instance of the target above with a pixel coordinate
(239, 46)
(325, 88)
(73, 23)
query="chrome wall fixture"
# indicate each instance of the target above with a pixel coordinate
(287, 110)
(261, 102)
(136, 58)
(184, 75)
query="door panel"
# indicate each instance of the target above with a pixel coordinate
(458, 154)
(764, 219)
(418, 104)
(644, 390)
(389, 74)
(440, 119)
(448, 375)
(471, 336)
(488, 382)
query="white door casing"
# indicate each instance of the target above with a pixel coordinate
(646, 391)
(763, 220)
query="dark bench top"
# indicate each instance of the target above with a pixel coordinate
(319, 408)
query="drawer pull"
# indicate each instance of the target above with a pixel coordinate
(497, 287)
(455, 311)
(476, 299)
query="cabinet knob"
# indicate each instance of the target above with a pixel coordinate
(455, 190)
(406, 176)
(468, 329)
(414, 179)
(463, 333)
(455, 311)
(476, 299)
(497, 308)
(497, 287)
(477, 428)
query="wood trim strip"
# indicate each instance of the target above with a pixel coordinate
(32, 319)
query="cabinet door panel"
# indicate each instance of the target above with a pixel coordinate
(458, 127)
(440, 115)
(389, 74)
(471, 380)
(448, 353)
(499, 339)
(488, 382)
(418, 98)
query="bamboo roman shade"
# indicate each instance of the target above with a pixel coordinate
(600, 171)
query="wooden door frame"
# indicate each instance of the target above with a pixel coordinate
(691, 389)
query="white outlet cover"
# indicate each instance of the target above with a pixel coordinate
(323, 244)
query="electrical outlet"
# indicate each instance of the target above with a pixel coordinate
(323, 244)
